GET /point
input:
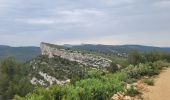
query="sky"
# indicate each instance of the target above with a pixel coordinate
(113, 22)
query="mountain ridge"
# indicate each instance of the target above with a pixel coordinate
(25, 53)
(21, 54)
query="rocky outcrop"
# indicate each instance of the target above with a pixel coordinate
(47, 78)
(74, 55)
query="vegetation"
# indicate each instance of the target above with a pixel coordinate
(132, 91)
(87, 83)
(97, 87)
(149, 81)
(12, 81)
(57, 67)
(21, 54)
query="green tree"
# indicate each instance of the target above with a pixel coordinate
(135, 57)
(12, 82)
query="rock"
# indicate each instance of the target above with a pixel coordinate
(127, 98)
(135, 84)
(115, 97)
(120, 94)
(84, 58)
(128, 86)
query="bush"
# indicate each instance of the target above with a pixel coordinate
(95, 73)
(113, 67)
(12, 80)
(132, 91)
(149, 81)
(135, 57)
(147, 69)
(93, 88)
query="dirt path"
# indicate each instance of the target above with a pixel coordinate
(161, 89)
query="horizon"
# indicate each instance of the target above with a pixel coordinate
(87, 44)
(111, 22)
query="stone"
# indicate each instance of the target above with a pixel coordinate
(127, 98)
(115, 97)
(128, 86)
(73, 55)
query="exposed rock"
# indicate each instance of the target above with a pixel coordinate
(128, 86)
(122, 96)
(127, 98)
(36, 81)
(115, 97)
(53, 80)
(118, 96)
(73, 55)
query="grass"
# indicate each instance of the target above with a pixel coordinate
(132, 91)
(149, 81)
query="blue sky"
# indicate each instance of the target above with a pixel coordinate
(29, 22)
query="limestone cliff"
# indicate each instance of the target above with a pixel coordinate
(74, 55)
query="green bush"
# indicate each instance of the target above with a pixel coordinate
(12, 80)
(94, 88)
(95, 73)
(149, 81)
(113, 67)
(147, 69)
(132, 91)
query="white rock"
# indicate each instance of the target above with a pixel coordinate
(115, 97)
(127, 98)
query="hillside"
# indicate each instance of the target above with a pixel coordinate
(118, 50)
(87, 59)
(21, 54)
(72, 73)
(46, 71)
(61, 65)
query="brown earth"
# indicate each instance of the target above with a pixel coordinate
(161, 88)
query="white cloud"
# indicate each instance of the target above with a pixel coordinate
(162, 4)
(96, 21)
(40, 21)
(118, 2)
(78, 12)
(66, 17)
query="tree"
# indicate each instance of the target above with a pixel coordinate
(113, 67)
(135, 57)
(12, 82)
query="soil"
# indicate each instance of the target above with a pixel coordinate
(161, 88)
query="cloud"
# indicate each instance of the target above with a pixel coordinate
(66, 17)
(163, 4)
(77, 21)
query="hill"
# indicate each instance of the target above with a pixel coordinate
(118, 50)
(21, 54)
(59, 64)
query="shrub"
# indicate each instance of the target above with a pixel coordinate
(94, 88)
(132, 91)
(95, 73)
(147, 69)
(149, 81)
(135, 57)
(113, 67)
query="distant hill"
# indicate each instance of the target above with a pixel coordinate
(147, 48)
(21, 54)
(119, 50)
(27, 53)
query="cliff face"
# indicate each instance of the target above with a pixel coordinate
(73, 55)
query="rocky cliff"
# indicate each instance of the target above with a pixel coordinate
(74, 55)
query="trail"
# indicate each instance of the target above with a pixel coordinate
(161, 89)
